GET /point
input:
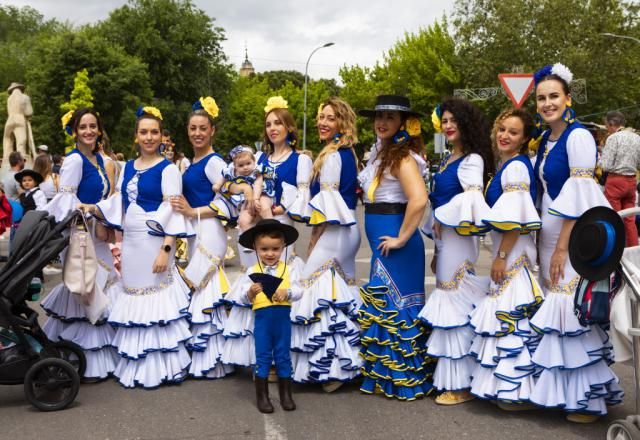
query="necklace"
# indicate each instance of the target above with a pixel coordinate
(281, 157)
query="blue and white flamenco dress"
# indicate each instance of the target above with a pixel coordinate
(151, 309)
(574, 360)
(325, 339)
(504, 341)
(459, 206)
(81, 181)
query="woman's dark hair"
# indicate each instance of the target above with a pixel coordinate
(75, 121)
(201, 112)
(392, 155)
(553, 76)
(475, 131)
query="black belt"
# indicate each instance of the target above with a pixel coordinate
(385, 208)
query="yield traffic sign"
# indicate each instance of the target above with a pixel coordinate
(517, 86)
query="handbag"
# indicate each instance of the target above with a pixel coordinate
(81, 269)
(592, 301)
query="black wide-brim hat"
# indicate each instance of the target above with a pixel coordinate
(248, 237)
(391, 103)
(596, 243)
(36, 176)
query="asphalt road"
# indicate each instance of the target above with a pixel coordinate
(225, 409)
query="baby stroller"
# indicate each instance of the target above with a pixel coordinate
(50, 371)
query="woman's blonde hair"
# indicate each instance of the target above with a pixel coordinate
(527, 126)
(346, 119)
(43, 165)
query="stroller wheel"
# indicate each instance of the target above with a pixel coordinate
(623, 429)
(73, 354)
(51, 384)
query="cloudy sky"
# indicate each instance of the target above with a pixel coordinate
(280, 34)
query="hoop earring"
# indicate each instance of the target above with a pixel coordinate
(569, 115)
(336, 137)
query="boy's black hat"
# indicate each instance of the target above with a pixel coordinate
(248, 237)
(36, 176)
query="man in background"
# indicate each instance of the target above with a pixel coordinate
(621, 159)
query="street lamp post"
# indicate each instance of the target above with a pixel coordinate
(306, 81)
(627, 37)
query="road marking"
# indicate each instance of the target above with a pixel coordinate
(273, 431)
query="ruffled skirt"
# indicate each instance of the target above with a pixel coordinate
(152, 329)
(392, 338)
(504, 341)
(574, 360)
(68, 321)
(325, 338)
(447, 312)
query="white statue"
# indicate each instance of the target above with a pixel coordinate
(18, 125)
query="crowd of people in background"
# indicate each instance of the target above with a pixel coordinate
(511, 337)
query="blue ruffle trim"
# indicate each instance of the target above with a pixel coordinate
(393, 341)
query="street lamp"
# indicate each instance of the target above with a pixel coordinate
(306, 81)
(609, 34)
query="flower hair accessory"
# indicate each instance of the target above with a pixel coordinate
(557, 69)
(413, 126)
(436, 119)
(153, 111)
(207, 104)
(66, 122)
(275, 102)
(238, 149)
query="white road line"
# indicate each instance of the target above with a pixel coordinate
(273, 431)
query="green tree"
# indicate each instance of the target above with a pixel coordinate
(119, 83)
(421, 66)
(182, 50)
(81, 96)
(492, 36)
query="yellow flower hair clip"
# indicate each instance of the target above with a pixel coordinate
(436, 119)
(66, 121)
(413, 126)
(207, 104)
(275, 102)
(153, 111)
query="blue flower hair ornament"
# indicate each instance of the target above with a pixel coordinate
(558, 69)
(238, 149)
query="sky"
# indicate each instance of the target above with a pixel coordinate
(280, 34)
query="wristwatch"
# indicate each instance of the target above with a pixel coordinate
(166, 248)
(502, 255)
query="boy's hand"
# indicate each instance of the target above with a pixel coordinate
(253, 291)
(281, 295)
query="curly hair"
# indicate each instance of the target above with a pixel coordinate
(346, 119)
(527, 124)
(392, 155)
(475, 132)
(289, 124)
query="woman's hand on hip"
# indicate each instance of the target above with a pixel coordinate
(388, 243)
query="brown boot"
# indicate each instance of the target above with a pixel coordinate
(262, 396)
(286, 401)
